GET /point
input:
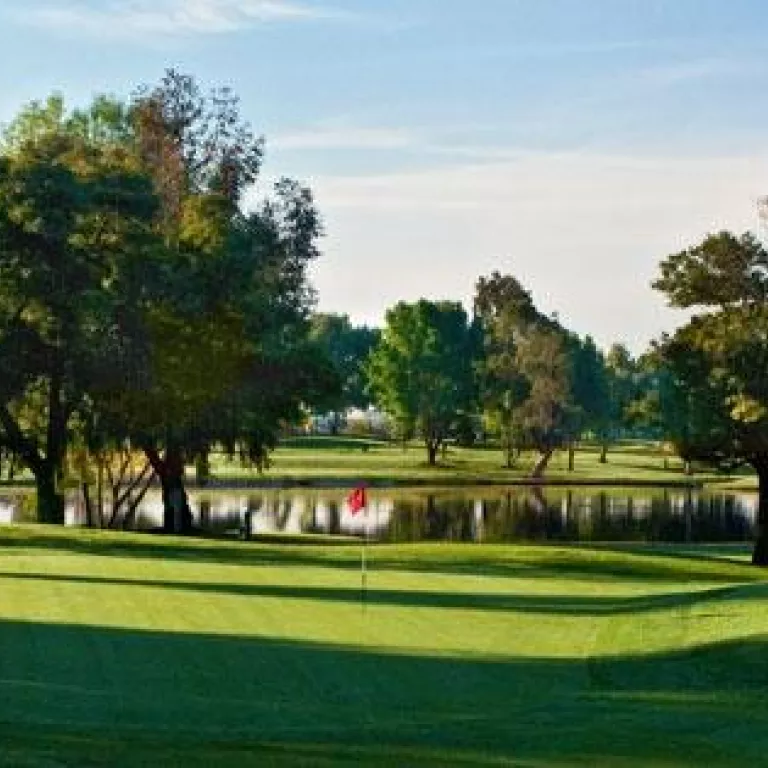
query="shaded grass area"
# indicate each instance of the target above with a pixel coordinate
(643, 562)
(234, 701)
(124, 649)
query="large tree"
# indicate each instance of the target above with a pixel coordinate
(421, 371)
(228, 317)
(234, 368)
(717, 361)
(63, 252)
(139, 302)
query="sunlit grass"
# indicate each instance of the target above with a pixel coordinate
(319, 459)
(128, 649)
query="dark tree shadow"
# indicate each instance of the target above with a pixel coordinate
(565, 605)
(82, 695)
(638, 562)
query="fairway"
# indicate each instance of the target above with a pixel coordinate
(319, 460)
(125, 649)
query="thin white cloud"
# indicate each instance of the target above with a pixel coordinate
(341, 137)
(584, 231)
(696, 69)
(136, 18)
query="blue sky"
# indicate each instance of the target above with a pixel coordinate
(573, 143)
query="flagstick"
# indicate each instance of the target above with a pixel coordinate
(363, 562)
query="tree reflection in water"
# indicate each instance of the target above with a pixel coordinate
(461, 514)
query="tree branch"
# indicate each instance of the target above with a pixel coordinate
(20, 444)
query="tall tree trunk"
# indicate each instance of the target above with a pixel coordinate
(46, 469)
(50, 501)
(433, 446)
(571, 457)
(202, 470)
(90, 518)
(541, 463)
(511, 451)
(177, 516)
(604, 453)
(760, 552)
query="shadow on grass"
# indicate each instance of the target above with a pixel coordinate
(566, 605)
(628, 562)
(80, 695)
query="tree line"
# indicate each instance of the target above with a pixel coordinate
(507, 373)
(536, 385)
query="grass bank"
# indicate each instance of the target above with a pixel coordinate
(128, 650)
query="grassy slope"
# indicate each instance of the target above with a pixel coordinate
(343, 460)
(128, 650)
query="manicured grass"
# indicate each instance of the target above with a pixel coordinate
(124, 649)
(341, 461)
(319, 460)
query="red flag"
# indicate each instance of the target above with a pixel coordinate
(357, 500)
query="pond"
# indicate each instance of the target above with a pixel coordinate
(482, 514)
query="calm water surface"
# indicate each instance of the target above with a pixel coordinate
(466, 514)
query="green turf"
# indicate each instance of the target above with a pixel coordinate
(123, 649)
(340, 461)
(319, 460)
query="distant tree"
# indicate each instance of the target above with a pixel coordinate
(505, 311)
(644, 414)
(421, 370)
(547, 413)
(717, 361)
(348, 347)
(622, 386)
(589, 391)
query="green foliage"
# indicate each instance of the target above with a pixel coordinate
(421, 370)
(195, 142)
(590, 389)
(504, 311)
(721, 271)
(527, 370)
(547, 411)
(138, 304)
(63, 297)
(348, 347)
(717, 361)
